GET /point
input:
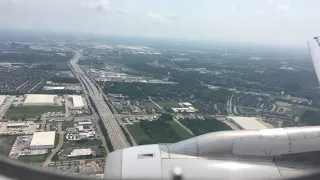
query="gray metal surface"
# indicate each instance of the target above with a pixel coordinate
(314, 49)
(246, 154)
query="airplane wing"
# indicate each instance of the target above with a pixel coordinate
(246, 154)
(314, 49)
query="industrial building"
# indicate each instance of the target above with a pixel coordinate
(39, 100)
(43, 140)
(77, 102)
(184, 109)
(53, 88)
(185, 104)
(246, 122)
(17, 124)
(2, 99)
(80, 152)
(84, 123)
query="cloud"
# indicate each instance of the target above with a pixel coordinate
(100, 5)
(123, 13)
(283, 7)
(270, 1)
(262, 13)
(155, 17)
(172, 16)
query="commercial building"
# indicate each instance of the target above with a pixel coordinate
(80, 152)
(17, 125)
(53, 88)
(2, 99)
(43, 140)
(84, 123)
(39, 100)
(87, 135)
(77, 102)
(185, 104)
(246, 122)
(184, 109)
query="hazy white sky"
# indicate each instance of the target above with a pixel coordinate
(266, 21)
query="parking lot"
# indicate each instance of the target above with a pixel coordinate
(30, 129)
(21, 143)
(5, 106)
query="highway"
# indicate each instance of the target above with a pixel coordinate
(115, 133)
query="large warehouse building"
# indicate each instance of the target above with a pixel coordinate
(77, 102)
(43, 140)
(2, 99)
(247, 122)
(39, 100)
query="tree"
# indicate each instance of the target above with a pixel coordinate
(166, 117)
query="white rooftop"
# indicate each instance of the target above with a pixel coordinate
(85, 123)
(2, 99)
(187, 104)
(248, 122)
(39, 99)
(80, 152)
(77, 101)
(43, 138)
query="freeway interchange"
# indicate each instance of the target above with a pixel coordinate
(115, 133)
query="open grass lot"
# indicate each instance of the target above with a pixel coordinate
(85, 143)
(146, 104)
(6, 144)
(159, 131)
(180, 131)
(138, 133)
(36, 158)
(31, 111)
(247, 110)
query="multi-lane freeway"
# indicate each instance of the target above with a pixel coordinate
(115, 133)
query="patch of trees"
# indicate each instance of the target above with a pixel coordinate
(59, 92)
(126, 134)
(106, 136)
(310, 117)
(166, 117)
(142, 90)
(34, 57)
(106, 101)
(199, 127)
(58, 79)
(126, 89)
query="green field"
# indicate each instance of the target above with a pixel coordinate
(85, 143)
(180, 131)
(21, 112)
(168, 104)
(247, 110)
(56, 140)
(36, 158)
(157, 132)
(138, 133)
(6, 144)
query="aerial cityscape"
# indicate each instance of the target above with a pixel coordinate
(65, 105)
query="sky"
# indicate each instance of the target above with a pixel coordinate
(259, 21)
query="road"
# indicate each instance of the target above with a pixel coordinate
(229, 106)
(115, 133)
